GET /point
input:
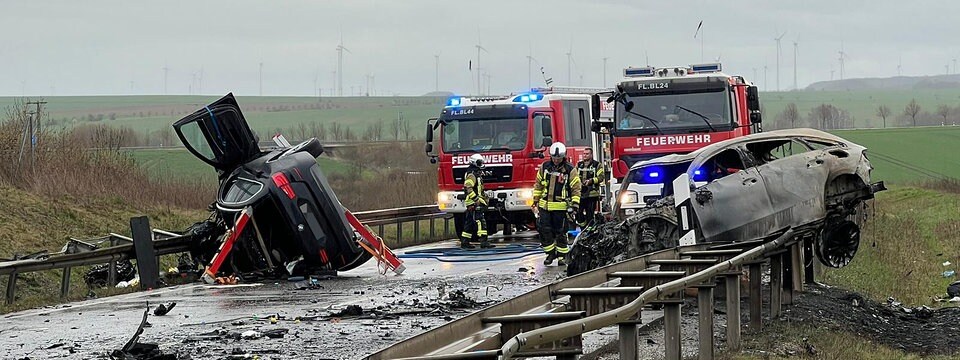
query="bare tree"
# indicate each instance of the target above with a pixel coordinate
(883, 112)
(789, 116)
(336, 131)
(302, 131)
(943, 111)
(912, 110)
(166, 136)
(405, 128)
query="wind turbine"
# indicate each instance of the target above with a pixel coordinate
(843, 57)
(261, 78)
(796, 45)
(530, 61)
(340, 50)
(166, 71)
(570, 63)
(899, 66)
(479, 74)
(777, 39)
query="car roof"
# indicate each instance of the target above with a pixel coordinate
(769, 135)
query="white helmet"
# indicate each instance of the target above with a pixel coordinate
(476, 160)
(558, 150)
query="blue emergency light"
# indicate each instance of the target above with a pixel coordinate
(705, 68)
(454, 101)
(635, 72)
(531, 97)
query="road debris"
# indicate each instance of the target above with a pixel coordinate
(134, 349)
(953, 290)
(97, 275)
(162, 310)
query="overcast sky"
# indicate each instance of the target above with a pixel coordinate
(121, 47)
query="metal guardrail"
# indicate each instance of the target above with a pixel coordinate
(165, 243)
(628, 286)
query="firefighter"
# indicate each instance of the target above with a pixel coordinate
(591, 176)
(474, 223)
(556, 195)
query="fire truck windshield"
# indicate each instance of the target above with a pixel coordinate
(680, 111)
(484, 134)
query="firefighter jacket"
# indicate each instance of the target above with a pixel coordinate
(590, 169)
(556, 186)
(473, 188)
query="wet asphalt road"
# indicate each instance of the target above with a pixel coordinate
(93, 328)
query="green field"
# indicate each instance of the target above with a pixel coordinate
(861, 104)
(910, 154)
(148, 114)
(179, 163)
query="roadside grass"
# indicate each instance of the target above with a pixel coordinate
(903, 247)
(784, 340)
(909, 155)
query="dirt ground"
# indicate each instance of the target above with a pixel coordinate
(918, 330)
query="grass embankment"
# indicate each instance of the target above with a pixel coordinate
(31, 223)
(180, 163)
(902, 251)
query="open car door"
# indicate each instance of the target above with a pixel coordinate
(219, 135)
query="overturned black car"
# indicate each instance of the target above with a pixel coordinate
(275, 213)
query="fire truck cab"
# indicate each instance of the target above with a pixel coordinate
(672, 110)
(511, 133)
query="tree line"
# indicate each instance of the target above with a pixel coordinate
(830, 117)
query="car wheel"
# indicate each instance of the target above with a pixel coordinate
(652, 234)
(838, 244)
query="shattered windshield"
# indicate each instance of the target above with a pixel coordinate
(676, 105)
(482, 135)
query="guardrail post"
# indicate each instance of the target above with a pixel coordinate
(11, 287)
(705, 310)
(671, 330)
(112, 273)
(733, 309)
(628, 340)
(446, 227)
(776, 286)
(65, 283)
(147, 265)
(756, 297)
(380, 230)
(433, 232)
(416, 231)
(399, 232)
(787, 262)
(795, 256)
(809, 276)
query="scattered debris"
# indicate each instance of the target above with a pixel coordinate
(134, 349)
(163, 310)
(949, 273)
(946, 263)
(250, 335)
(97, 275)
(276, 333)
(351, 310)
(953, 290)
(227, 280)
(522, 269)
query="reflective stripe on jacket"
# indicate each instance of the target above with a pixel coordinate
(592, 170)
(556, 186)
(473, 188)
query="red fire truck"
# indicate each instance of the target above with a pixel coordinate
(511, 133)
(673, 110)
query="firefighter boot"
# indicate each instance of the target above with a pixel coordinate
(485, 243)
(551, 255)
(465, 244)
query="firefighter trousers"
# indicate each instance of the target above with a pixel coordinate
(474, 225)
(553, 231)
(588, 207)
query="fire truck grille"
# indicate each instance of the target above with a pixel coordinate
(492, 174)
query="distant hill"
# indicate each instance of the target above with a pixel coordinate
(890, 83)
(443, 94)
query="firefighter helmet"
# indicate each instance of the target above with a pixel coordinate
(558, 150)
(476, 160)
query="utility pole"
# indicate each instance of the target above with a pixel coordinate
(261, 78)
(436, 85)
(166, 70)
(795, 45)
(605, 71)
(31, 130)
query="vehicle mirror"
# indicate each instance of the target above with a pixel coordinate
(429, 135)
(544, 124)
(546, 142)
(595, 106)
(753, 98)
(428, 148)
(755, 117)
(628, 106)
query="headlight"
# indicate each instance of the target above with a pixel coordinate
(443, 197)
(525, 194)
(629, 197)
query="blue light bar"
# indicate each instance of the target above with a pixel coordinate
(455, 101)
(635, 72)
(696, 172)
(654, 174)
(705, 68)
(531, 97)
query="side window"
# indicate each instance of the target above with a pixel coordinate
(771, 150)
(576, 122)
(725, 163)
(820, 144)
(538, 133)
